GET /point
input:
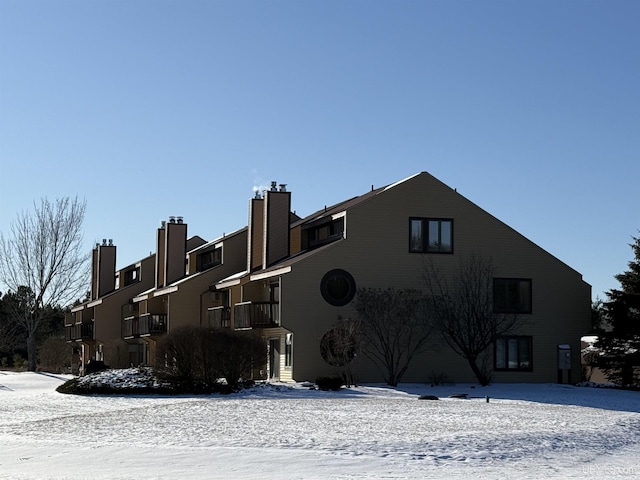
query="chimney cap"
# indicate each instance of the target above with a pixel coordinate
(273, 186)
(283, 187)
(179, 219)
(172, 219)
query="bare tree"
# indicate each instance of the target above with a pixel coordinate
(396, 326)
(43, 254)
(464, 311)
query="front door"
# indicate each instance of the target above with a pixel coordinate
(274, 358)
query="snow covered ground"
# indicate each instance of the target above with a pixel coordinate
(525, 431)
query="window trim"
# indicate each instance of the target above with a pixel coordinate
(508, 308)
(425, 248)
(288, 350)
(325, 287)
(506, 339)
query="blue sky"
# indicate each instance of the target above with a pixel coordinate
(147, 109)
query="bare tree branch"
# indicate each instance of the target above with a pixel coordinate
(463, 308)
(396, 327)
(44, 253)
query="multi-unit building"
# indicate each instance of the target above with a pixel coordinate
(291, 279)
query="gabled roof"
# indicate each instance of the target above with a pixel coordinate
(351, 202)
(195, 242)
(284, 266)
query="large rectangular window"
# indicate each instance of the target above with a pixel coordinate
(514, 353)
(430, 235)
(512, 295)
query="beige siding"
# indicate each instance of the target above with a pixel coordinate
(256, 233)
(276, 227)
(376, 253)
(176, 251)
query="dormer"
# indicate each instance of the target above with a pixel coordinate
(322, 231)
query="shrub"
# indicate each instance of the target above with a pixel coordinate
(329, 383)
(94, 366)
(19, 363)
(54, 355)
(195, 359)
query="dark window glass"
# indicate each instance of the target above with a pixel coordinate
(431, 235)
(338, 287)
(512, 295)
(131, 276)
(514, 353)
(318, 235)
(206, 260)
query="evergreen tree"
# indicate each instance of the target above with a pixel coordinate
(620, 358)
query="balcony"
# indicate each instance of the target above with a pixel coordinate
(152, 324)
(219, 317)
(79, 332)
(256, 315)
(144, 325)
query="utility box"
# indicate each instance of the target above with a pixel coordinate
(564, 362)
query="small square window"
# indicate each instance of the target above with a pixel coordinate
(430, 235)
(512, 295)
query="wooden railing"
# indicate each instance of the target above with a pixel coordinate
(219, 317)
(256, 314)
(79, 331)
(145, 324)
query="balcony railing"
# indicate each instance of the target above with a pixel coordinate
(79, 331)
(152, 324)
(145, 324)
(256, 315)
(131, 327)
(219, 317)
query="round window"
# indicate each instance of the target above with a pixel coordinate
(338, 287)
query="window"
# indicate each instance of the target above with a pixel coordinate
(288, 350)
(514, 353)
(323, 233)
(209, 259)
(511, 295)
(131, 276)
(338, 287)
(430, 235)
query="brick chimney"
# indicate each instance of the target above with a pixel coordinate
(103, 269)
(171, 251)
(269, 223)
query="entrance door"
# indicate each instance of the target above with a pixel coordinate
(274, 358)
